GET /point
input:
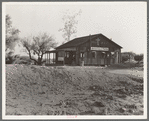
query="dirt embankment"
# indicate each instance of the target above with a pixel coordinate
(36, 90)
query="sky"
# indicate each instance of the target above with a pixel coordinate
(123, 22)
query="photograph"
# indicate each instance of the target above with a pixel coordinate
(74, 60)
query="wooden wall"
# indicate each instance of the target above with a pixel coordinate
(98, 60)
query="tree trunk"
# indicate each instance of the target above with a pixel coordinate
(39, 61)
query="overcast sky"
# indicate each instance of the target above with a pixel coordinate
(124, 22)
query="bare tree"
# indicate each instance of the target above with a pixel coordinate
(70, 23)
(38, 45)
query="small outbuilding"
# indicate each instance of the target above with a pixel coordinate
(88, 50)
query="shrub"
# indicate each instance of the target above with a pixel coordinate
(124, 58)
(23, 60)
(138, 58)
(10, 58)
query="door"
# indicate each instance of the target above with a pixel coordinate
(70, 57)
(102, 61)
(101, 58)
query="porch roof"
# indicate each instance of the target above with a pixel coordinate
(51, 51)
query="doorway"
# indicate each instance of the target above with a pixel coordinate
(103, 58)
(70, 57)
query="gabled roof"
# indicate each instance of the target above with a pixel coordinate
(78, 41)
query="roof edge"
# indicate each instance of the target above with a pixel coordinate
(96, 35)
(112, 41)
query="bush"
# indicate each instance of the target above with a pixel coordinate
(23, 60)
(124, 58)
(138, 58)
(16, 59)
(10, 58)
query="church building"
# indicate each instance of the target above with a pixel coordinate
(89, 50)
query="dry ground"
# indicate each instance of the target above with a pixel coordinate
(39, 90)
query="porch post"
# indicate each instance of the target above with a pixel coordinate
(53, 58)
(110, 58)
(64, 58)
(120, 55)
(56, 57)
(49, 58)
(46, 58)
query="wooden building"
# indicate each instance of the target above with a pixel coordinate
(88, 50)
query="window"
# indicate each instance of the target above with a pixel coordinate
(112, 54)
(67, 54)
(82, 54)
(93, 54)
(103, 55)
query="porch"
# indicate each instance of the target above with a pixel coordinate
(73, 58)
(62, 57)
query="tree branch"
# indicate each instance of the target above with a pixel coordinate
(29, 52)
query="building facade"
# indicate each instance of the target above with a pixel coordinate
(89, 50)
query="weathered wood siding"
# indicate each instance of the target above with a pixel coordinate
(98, 60)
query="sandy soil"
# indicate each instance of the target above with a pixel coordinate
(38, 90)
(134, 72)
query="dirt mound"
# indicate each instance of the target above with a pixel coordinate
(40, 90)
